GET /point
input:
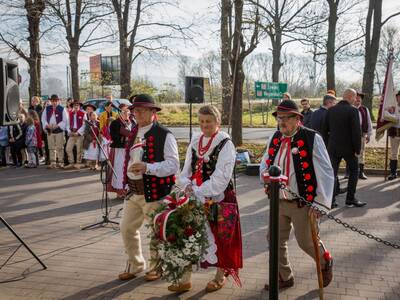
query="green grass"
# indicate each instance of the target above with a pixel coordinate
(374, 157)
(181, 118)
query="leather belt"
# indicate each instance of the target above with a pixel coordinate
(136, 186)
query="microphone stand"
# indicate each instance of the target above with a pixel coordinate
(22, 243)
(104, 180)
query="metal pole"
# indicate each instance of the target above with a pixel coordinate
(386, 156)
(190, 121)
(274, 173)
(22, 242)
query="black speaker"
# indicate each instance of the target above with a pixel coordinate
(9, 92)
(194, 89)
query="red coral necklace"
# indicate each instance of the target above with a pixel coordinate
(202, 150)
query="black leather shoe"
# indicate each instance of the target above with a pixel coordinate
(355, 203)
(342, 191)
(392, 176)
(334, 205)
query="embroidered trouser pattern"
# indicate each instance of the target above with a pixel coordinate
(135, 214)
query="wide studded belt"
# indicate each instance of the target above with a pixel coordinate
(136, 187)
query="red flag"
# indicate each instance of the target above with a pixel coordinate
(388, 99)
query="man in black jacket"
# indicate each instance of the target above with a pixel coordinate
(318, 116)
(342, 134)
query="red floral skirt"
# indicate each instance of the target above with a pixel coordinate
(228, 237)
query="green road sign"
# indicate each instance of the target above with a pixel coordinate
(270, 90)
(45, 97)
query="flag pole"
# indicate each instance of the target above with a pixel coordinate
(386, 156)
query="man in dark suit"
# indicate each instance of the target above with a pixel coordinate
(342, 134)
(318, 116)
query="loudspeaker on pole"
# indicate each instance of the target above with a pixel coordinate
(194, 89)
(9, 92)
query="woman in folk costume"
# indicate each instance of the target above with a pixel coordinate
(91, 134)
(119, 131)
(209, 164)
(105, 141)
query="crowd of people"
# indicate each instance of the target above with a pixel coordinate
(308, 146)
(57, 136)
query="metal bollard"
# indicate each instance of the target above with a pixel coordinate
(275, 179)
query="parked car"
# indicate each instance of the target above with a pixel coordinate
(99, 103)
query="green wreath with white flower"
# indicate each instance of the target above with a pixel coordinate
(178, 235)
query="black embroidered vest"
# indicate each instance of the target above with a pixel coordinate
(209, 167)
(302, 148)
(155, 187)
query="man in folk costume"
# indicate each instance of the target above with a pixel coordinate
(366, 131)
(54, 122)
(75, 130)
(392, 114)
(302, 156)
(207, 173)
(151, 164)
(120, 132)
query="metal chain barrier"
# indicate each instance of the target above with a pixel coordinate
(337, 220)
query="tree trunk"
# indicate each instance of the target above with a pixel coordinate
(237, 107)
(226, 83)
(125, 74)
(73, 59)
(330, 46)
(276, 56)
(34, 13)
(371, 49)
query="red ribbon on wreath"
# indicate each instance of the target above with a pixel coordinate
(161, 219)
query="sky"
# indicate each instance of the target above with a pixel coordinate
(205, 15)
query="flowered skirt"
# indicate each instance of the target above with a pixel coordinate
(228, 237)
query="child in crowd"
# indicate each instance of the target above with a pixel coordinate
(31, 143)
(91, 154)
(36, 120)
(3, 145)
(16, 138)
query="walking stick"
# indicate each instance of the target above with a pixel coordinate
(315, 239)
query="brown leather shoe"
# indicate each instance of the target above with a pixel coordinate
(126, 276)
(282, 284)
(152, 276)
(214, 285)
(129, 272)
(327, 273)
(180, 288)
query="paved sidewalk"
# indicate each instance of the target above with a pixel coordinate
(47, 208)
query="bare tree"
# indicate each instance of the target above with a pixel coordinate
(239, 38)
(226, 49)
(373, 27)
(281, 20)
(210, 64)
(390, 41)
(139, 30)
(15, 37)
(79, 19)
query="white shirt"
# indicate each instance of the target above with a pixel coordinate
(323, 172)
(215, 186)
(75, 125)
(395, 118)
(63, 124)
(369, 132)
(170, 165)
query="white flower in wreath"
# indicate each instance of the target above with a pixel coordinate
(192, 239)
